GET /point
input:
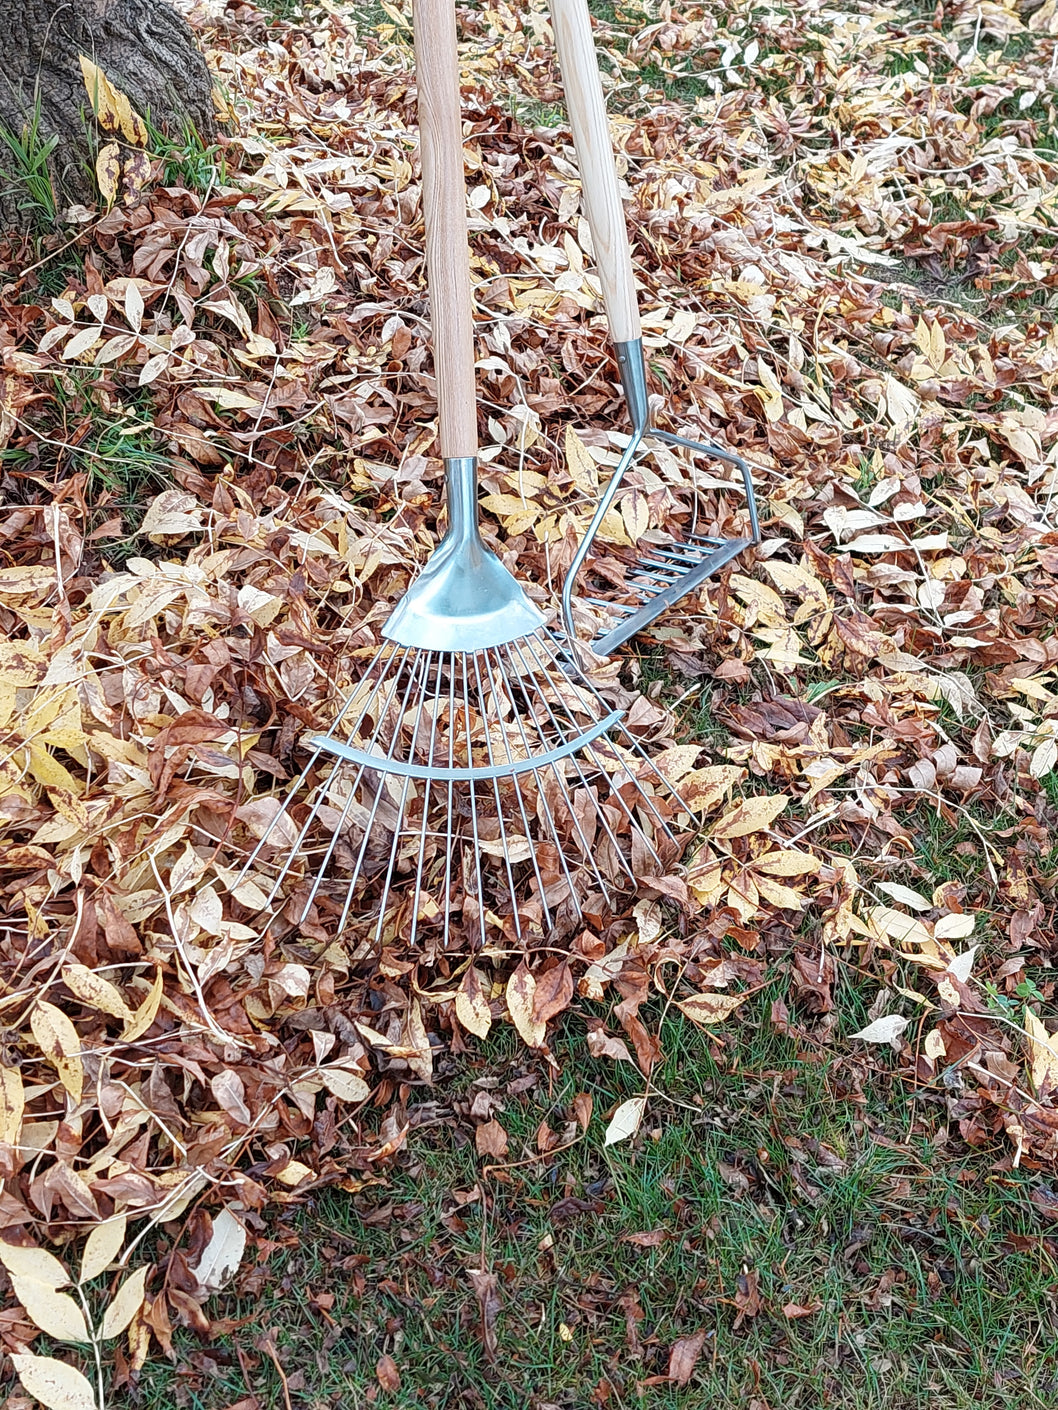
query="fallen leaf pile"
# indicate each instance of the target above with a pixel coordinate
(843, 239)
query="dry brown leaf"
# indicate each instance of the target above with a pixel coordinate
(684, 1357)
(491, 1139)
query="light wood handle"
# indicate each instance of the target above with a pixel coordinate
(591, 135)
(445, 212)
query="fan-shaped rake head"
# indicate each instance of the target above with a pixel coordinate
(492, 785)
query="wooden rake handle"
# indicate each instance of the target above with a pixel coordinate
(445, 212)
(591, 135)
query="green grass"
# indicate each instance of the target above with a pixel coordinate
(757, 1159)
(191, 162)
(117, 451)
(25, 170)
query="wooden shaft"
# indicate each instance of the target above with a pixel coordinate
(445, 212)
(591, 135)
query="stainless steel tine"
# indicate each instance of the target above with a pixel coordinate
(551, 826)
(601, 814)
(496, 792)
(398, 831)
(303, 776)
(500, 686)
(638, 749)
(450, 840)
(560, 774)
(321, 791)
(473, 807)
(421, 662)
(427, 786)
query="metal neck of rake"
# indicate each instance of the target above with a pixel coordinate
(461, 494)
(464, 599)
(633, 369)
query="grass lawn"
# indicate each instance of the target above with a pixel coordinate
(827, 1240)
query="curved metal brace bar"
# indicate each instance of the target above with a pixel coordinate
(444, 774)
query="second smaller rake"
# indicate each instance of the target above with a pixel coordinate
(666, 573)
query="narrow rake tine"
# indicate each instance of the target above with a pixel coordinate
(625, 866)
(378, 797)
(301, 779)
(321, 793)
(496, 793)
(518, 794)
(422, 667)
(474, 808)
(638, 749)
(262, 840)
(542, 795)
(330, 849)
(615, 793)
(450, 839)
(552, 828)
(428, 784)
(573, 759)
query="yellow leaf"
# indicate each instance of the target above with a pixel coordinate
(705, 788)
(12, 1105)
(58, 1041)
(108, 171)
(35, 1263)
(135, 174)
(507, 504)
(903, 928)
(764, 606)
(472, 1007)
(127, 1302)
(779, 895)
(139, 1343)
(55, 1313)
(787, 863)
(635, 514)
(1043, 1052)
(420, 1055)
(677, 761)
(137, 1023)
(102, 1247)
(582, 468)
(710, 1008)
(346, 1085)
(55, 1385)
(751, 815)
(113, 110)
(50, 773)
(521, 991)
(95, 991)
(934, 1047)
(294, 1172)
(769, 391)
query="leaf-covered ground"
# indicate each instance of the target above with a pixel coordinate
(217, 456)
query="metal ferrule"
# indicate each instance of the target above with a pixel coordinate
(464, 599)
(633, 369)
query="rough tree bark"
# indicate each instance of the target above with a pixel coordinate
(144, 47)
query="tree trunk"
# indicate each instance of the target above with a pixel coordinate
(143, 47)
